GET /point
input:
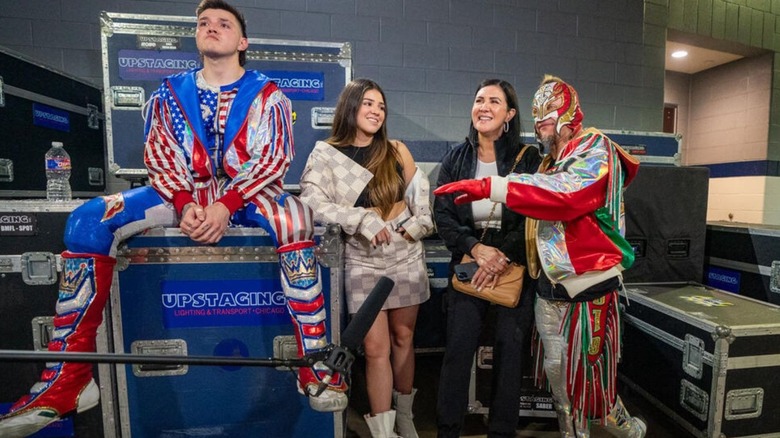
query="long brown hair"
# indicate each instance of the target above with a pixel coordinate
(387, 185)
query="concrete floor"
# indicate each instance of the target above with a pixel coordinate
(427, 379)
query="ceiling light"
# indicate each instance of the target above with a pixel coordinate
(679, 54)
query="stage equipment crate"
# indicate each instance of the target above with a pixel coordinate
(30, 245)
(666, 223)
(708, 358)
(173, 296)
(744, 259)
(431, 328)
(39, 105)
(140, 50)
(534, 401)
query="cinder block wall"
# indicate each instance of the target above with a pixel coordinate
(428, 55)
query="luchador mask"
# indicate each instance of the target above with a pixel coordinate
(557, 100)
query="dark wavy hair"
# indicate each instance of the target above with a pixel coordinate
(383, 159)
(511, 101)
(221, 4)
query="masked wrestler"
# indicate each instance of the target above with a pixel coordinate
(218, 144)
(577, 242)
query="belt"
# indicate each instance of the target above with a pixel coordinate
(481, 225)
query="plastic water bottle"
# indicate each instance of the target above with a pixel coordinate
(57, 173)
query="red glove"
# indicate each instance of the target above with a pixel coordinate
(474, 190)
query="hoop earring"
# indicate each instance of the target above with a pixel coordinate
(506, 126)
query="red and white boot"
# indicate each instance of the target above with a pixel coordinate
(306, 304)
(66, 387)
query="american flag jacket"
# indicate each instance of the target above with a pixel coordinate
(256, 151)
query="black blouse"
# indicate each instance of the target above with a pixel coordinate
(360, 156)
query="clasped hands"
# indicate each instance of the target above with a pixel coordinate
(384, 237)
(491, 261)
(492, 264)
(205, 224)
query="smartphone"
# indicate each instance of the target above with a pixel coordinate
(465, 271)
(401, 225)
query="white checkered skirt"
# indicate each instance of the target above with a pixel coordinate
(401, 261)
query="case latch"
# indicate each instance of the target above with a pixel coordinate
(694, 399)
(124, 97)
(39, 268)
(693, 356)
(774, 277)
(7, 265)
(285, 348)
(159, 347)
(322, 117)
(93, 118)
(6, 169)
(330, 249)
(744, 403)
(485, 358)
(95, 175)
(43, 331)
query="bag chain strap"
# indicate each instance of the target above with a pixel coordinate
(493, 210)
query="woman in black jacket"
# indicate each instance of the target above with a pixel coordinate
(492, 147)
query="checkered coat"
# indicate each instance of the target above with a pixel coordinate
(331, 183)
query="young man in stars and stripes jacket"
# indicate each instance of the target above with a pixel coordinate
(218, 143)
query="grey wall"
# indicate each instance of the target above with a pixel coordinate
(428, 55)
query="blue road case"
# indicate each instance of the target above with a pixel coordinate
(140, 50)
(174, 296)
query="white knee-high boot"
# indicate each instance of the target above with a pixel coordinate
(404, 418)
(381, 425)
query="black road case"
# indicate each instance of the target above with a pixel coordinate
(30, 243)
(534, 401)
(666, 221)
(39, 105)
(431, 328)
(744, 259)
(708, 358)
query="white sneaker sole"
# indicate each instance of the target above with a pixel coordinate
(329, 401)
(27, 423)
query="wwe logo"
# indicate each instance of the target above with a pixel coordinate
(300, 267)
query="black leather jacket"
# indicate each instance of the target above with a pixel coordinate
(455, 223)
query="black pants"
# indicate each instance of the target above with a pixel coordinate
(465, 320)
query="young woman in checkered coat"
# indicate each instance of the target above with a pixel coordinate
(371, 186)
